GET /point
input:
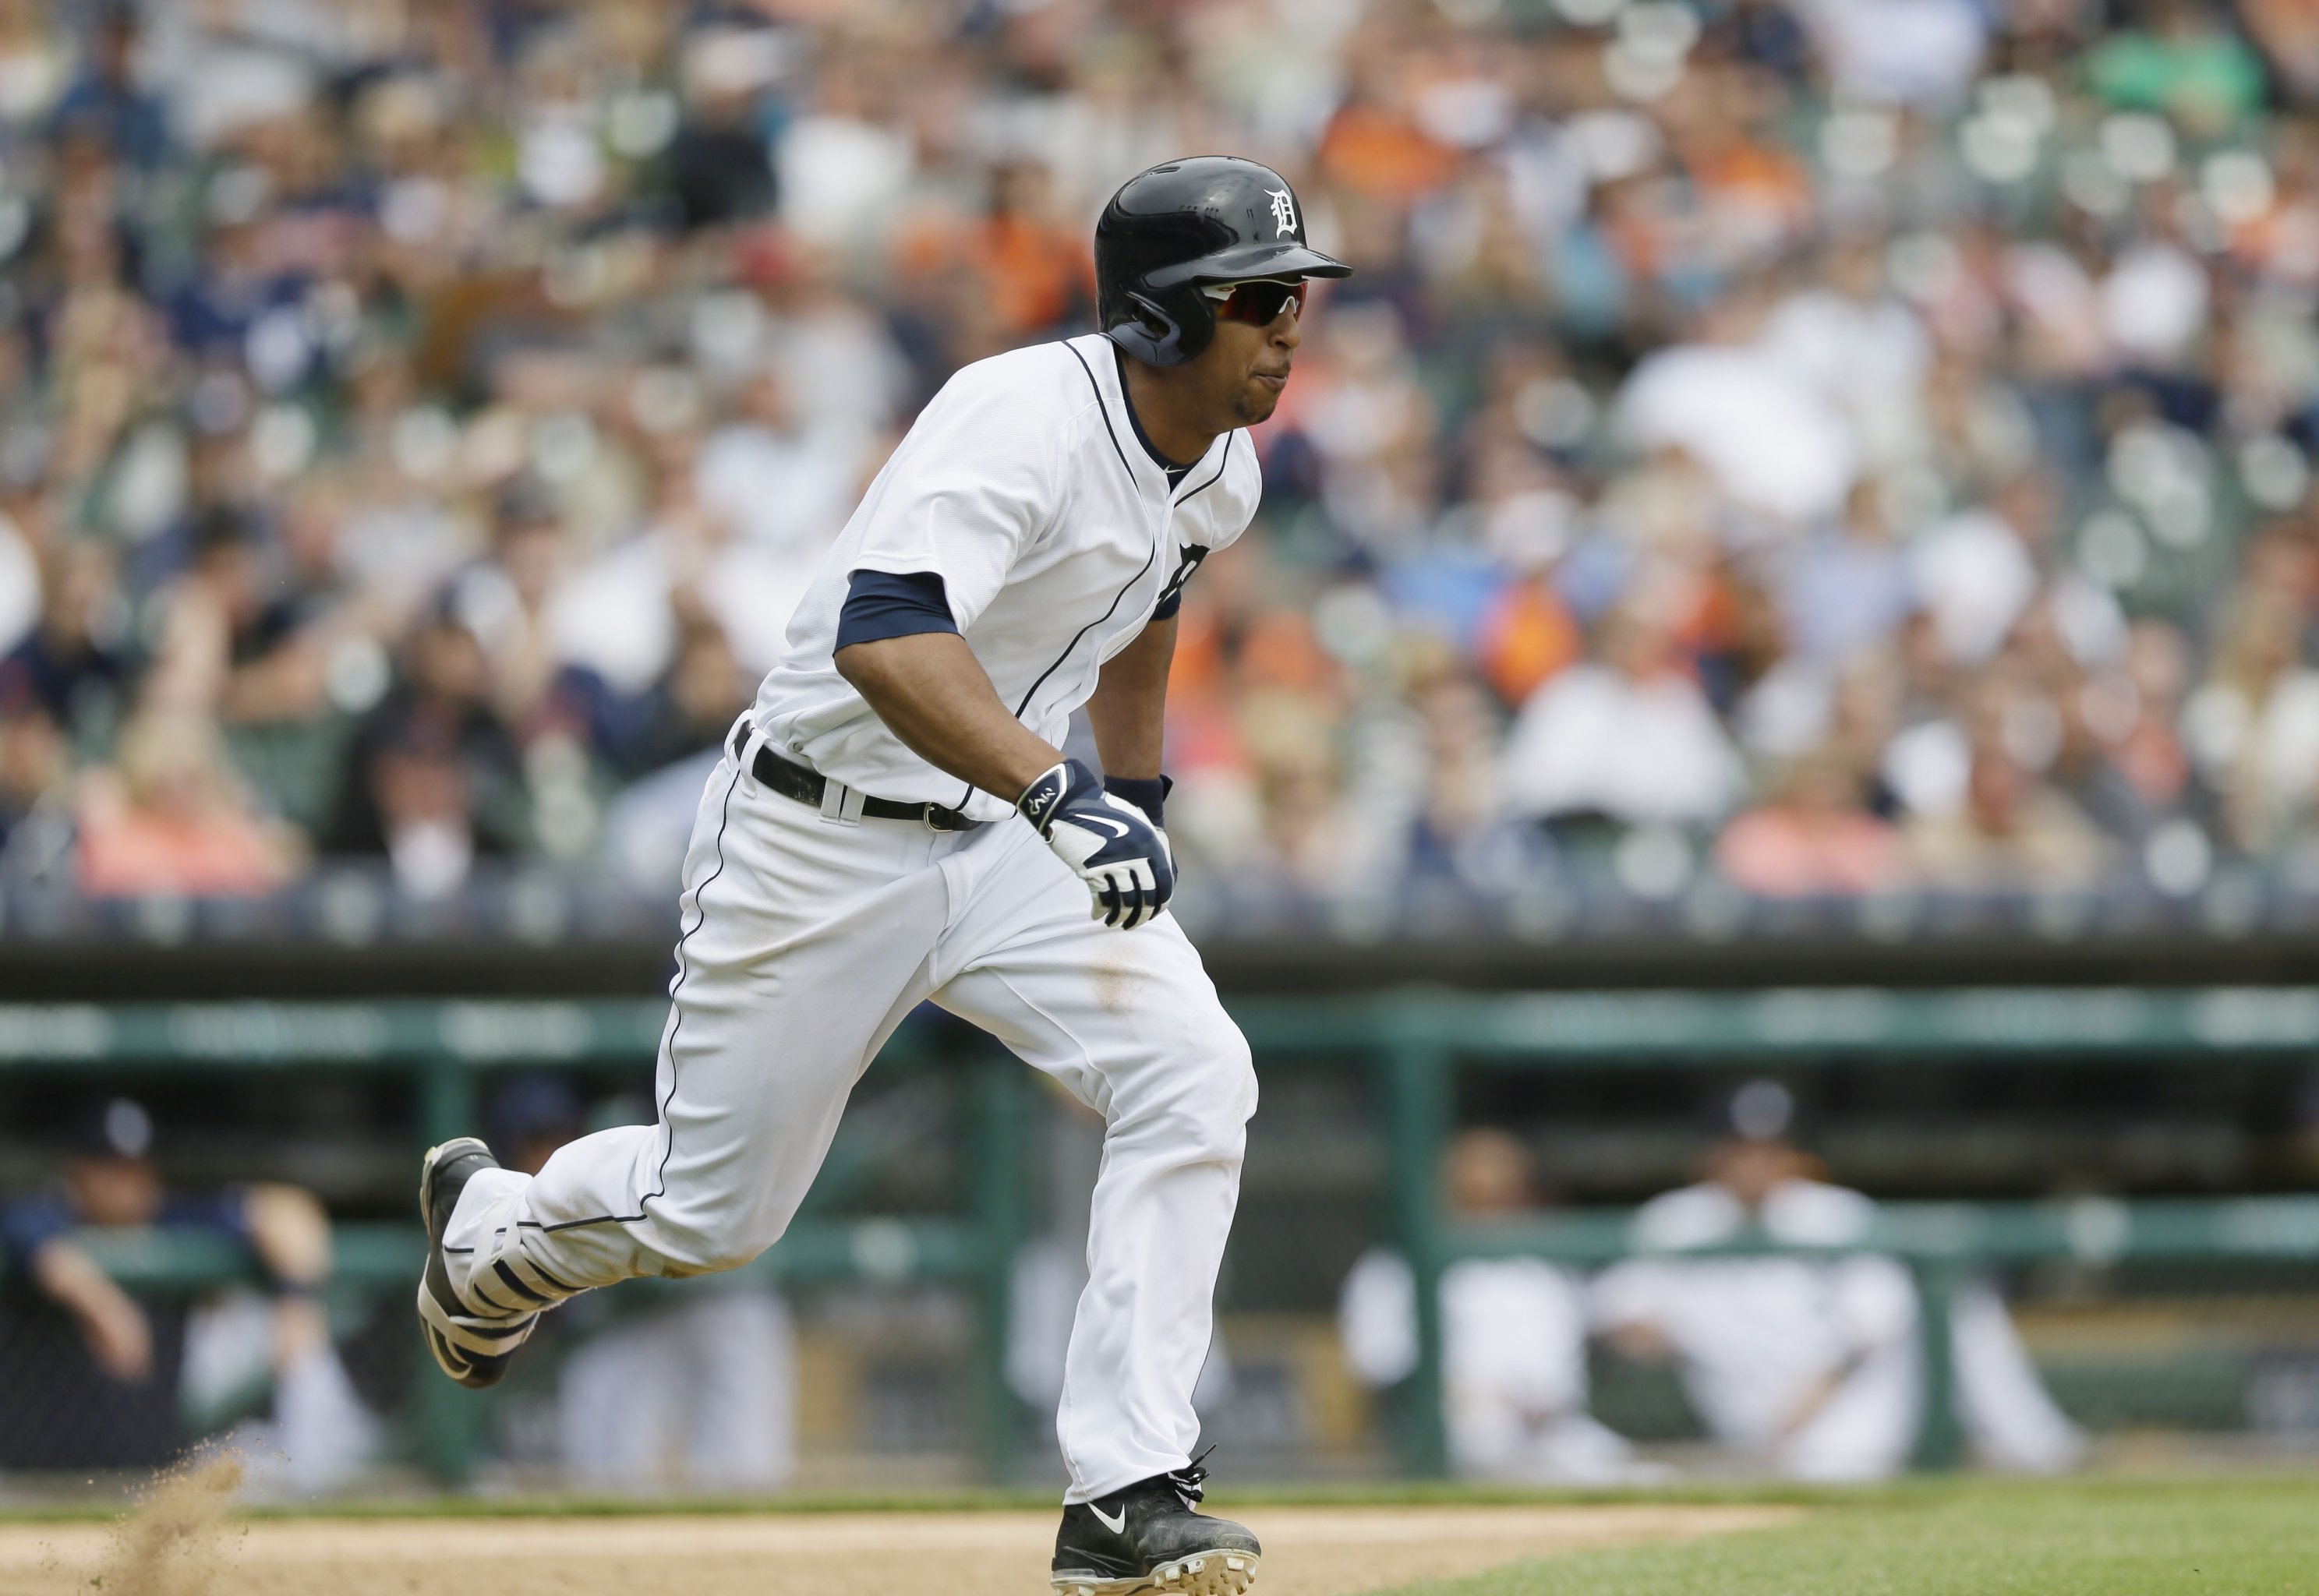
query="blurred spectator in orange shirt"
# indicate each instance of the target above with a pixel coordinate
(1813, 838)
(1038, 271)
(1027, 274)
(1374, 146)
(172, 818)
(1527, 633)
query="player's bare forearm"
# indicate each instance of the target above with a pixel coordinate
(111, 1321)
(933, 693)
(72, 1278)
(1128, 713)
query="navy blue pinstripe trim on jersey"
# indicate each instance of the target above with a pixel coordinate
(1103, 406)
(1084, 630)
(1131, 581)
(1213, 481)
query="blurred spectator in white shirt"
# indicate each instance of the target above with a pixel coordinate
(1918, 52)
(1859, 344)
(1630, 738)
(2253, 727)
(1769, 436)
(780, 482)
(1513, 1337)
(1975, 572)
(1810, 1364)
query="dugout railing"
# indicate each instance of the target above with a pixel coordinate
(1417, 1044)
(448, 1052)
(1414, 1044)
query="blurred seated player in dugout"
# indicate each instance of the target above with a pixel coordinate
(1811, 1366)
(97, 1378)
(1513, 1338)
(682, 1386)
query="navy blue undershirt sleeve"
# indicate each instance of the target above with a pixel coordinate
(880, 604)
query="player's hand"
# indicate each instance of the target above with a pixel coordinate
(1109, 843)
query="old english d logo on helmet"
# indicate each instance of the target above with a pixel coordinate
(1207, 218)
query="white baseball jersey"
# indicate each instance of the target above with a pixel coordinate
(1022, 485)
(806, 936)
(1757, 1336)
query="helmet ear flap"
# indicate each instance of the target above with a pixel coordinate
(1149, 333)
(1156, 336)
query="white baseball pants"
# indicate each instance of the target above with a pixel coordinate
(804, 941)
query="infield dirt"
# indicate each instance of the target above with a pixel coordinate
(1309, 1551)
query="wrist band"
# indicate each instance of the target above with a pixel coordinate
(1146, 793)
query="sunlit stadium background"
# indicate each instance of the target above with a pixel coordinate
(1788, 576)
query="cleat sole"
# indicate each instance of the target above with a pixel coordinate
(1201, 1573)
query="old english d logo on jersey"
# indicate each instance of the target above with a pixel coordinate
(1284, 213)
(1192, 554)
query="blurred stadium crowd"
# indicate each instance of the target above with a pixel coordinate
(1847, 445)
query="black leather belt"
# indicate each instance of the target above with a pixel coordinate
(793, 781)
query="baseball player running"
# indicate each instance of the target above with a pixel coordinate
(894, 821)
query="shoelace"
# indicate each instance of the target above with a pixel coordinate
(1190, 1481)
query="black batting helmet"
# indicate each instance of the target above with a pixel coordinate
(1208, 219)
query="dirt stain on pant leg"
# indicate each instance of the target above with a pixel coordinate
(1117, 982)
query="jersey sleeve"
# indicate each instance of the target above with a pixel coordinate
(970, 487)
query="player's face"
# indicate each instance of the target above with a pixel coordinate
(1246, 365)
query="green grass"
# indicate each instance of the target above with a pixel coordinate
(2222, 1536)
(2252, 1534)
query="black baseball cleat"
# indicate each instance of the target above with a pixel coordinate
(1147, 1538)
(472, 1348)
